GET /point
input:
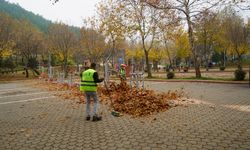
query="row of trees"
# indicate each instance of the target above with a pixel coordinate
(159, 27)
(149, 30)
(22, 44)
(19, 38)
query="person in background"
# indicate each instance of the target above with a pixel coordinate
(123, 72)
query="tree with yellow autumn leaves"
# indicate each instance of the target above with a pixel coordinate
(62, 42)
(7, 43)
(233, 35)
(111, 27)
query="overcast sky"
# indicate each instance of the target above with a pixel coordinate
(71, 12)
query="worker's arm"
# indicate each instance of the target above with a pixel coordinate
(96, 78)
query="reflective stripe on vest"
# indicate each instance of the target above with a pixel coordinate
(87, 81)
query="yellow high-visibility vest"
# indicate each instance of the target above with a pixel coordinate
(87, 82)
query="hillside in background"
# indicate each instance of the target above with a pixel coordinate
(18, 12)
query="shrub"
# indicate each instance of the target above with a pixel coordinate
(33, 63)
(239, 75)
(222, 68)
(170, 75)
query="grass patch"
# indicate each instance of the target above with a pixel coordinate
(194, 78)
(16, 76)
(158, 78)
(208, 78)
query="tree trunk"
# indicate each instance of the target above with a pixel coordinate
(113, 52)
(148, 65)
(65, 69)
(155, 65)
(168, 53)
(206, 54)
(169, 58)
(207, 64)
(191, 42)
(224, 58)
(197, 68)
(239, 63)
(27, 72)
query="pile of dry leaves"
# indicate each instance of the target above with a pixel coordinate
(137, 102)
(121, 98)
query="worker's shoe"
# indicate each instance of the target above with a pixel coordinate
(97, 118)
(88, 118)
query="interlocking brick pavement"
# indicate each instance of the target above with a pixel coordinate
(47, 122)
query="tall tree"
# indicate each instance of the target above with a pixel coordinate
(167, 28)
(141, 21)
(109, 14)
(182, 45)
(92, 41)
(7, 43)
(93, 45)
(62, 41)
(205, 31)
(7, 33)
(29, 43)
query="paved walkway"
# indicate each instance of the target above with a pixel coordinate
(33, 119)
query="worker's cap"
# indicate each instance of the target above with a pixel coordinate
(123, 65)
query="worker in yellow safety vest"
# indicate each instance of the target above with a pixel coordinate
(88, 85)
(123, 72)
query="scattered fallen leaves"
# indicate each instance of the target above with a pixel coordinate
(64, 90)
